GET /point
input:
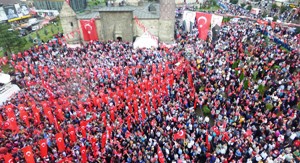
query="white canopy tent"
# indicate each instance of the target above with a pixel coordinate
(145, 41)
(4, 78)
(8, 89)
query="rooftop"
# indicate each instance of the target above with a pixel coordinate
(147, 11)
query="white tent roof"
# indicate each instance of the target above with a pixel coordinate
(4, 78)
(145, 41)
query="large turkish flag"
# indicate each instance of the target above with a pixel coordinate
(43, 147)
(83, 154)
(60, 142)
(89, 30)
(28, 155)
(8, 158)
(72, 134)
(203, 22)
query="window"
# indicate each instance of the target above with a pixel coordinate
(71, 23)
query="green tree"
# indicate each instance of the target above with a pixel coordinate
(234, 1)
(283, 8)
(264, 14)
(9, 39)
(249, 7)
(274, 6)
(275, 18)
(243, 5)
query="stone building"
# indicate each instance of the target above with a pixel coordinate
(118, 21)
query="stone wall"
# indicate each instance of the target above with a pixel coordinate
(70, 24)
(117, 24)
(151, 25)
(166, 30)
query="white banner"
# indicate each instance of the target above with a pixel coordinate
(216, 20)
(188, 17)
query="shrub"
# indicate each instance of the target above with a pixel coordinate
(206, 110)
(275, 18)
(269, 106)
(243, 5)
(261, 89)
(249, 7)
(246, 83)
(234, 1)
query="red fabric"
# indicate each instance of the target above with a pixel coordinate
(207, 142)
(89, 30)
(83, 154)
(28, 155)
(203, 23)
(160, 155)
(103, 140)
(180, 135)
(83, 128)
(71, 131)
(128, 123)
(8, 158)
(60, 142)
(49, 114)
(43, 147)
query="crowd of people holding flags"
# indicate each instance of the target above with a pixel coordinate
(232, 100)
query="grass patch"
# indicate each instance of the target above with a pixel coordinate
(209, 9)
(7, 68)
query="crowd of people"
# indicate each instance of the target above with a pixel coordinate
(234, 100)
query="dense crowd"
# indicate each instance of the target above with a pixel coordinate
(234, 100)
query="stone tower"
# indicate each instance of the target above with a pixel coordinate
(69, 23)
(167, 20)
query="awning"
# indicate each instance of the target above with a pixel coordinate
(145, 41)
(19, 18)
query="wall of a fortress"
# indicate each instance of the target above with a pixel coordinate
(112, 22)
(152, 25)
(70, 24)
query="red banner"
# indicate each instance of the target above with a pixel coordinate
(83, 154)
(89, 30)
(161, 157)
(203, 23)
(103, 140)
(60, 142)
(43, 147)
(8, 158)
(28, 155)
(83, 128)
(72, 134)
(179, 135)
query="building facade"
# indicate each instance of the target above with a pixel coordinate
(77, 5)
(120, 22)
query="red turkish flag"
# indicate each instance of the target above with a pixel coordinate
(103, 140)
(89, 30)
(28, 155)
(72, 134)
(207, 142)
(59, 114)
(60, 142)
(12, 123)
(203, 23)
(83, 128)
(43, 147)
(36, 113)
(49, 114)
(161, 157)
(8, 158)
(179, 135)
(112, 115)
(128, 123)
(83, 154)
